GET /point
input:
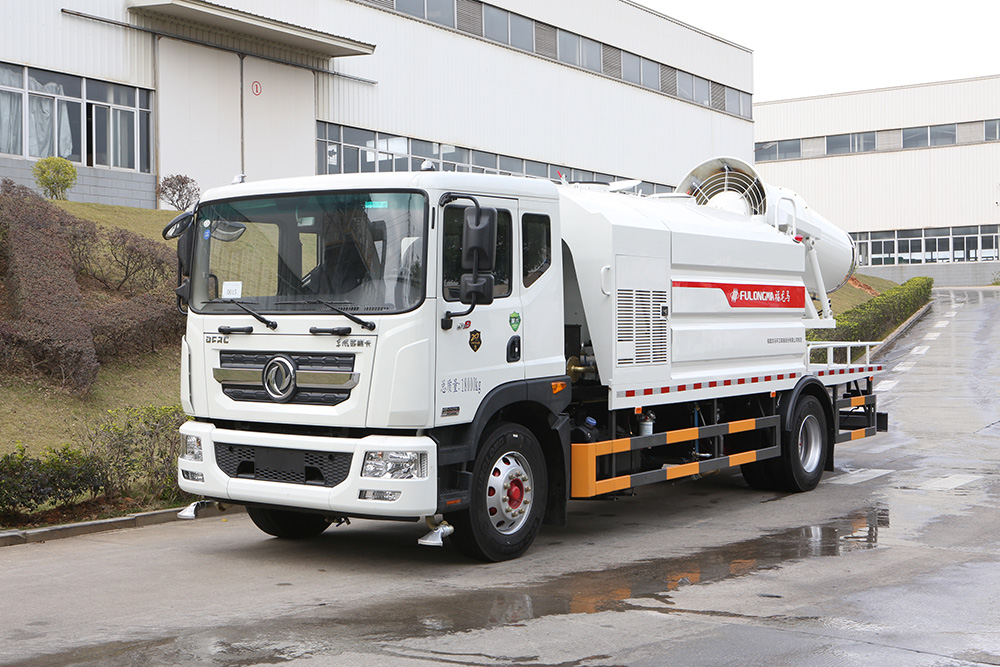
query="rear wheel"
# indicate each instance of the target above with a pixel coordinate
(805, 447)
(509, 488)
(288, 524)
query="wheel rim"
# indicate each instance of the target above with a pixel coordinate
(509, 493)
(810, 443)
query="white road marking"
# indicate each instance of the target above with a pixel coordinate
(858, 476)
(949, 482)
(951, 314)
(904, 366)
(942, 324)
(920, 349)
(934, 335)
(886, 385)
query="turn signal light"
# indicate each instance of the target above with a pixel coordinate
(558, 386)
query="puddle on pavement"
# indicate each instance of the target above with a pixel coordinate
(330, 629)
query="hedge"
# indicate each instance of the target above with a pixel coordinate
(876, 318)
(44, 249)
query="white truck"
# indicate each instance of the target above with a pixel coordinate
(477, 350)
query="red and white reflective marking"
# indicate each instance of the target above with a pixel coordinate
(754, 296)
(714, 384)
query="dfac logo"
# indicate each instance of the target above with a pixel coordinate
(279, 378)
(475, 340)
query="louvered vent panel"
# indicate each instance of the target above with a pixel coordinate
(545, 40)
(470, 17)
(718, 96)
(668, 80)
(611, 59)
(642, 328)
(381, 3)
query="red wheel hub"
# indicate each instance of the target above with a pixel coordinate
(515, 494)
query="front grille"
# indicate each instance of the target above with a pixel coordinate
(275, 464)
(249, 366)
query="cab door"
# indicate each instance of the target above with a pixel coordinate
(481, 350)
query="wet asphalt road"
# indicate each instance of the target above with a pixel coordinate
(893, 560)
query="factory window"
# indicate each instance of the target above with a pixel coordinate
(857, 142)
(789, 149)
(764, 151)
(732, 100)
(495, 24)
(702, 93)
(631, 67)
(522, 32)
(437, 11)
(569, 47)
(590, 54)
(914, 137)
(942, 135)
(685, 85)
(83, 120)
(650, 74)
(993, 130)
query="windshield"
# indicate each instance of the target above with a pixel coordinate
(360, 251)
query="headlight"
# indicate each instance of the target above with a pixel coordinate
(192, 448)
(395, 465)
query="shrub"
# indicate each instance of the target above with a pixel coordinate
(874, 319)
(50, 324)
(123, 261)
(54, 175)
(141, 324)
(58, 477)
(178, 190)
(138, 450)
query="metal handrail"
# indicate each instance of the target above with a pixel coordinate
(830, 346)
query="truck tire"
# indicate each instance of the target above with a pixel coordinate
(287, 524)
(509, 488)
(758, 475)
(804, 453)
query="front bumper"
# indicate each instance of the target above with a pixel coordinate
(416, 497)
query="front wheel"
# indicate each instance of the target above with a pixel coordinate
(288, 524)
(509, 488)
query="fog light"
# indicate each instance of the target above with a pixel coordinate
(378, 494)
(192, 448)
(394, 465)
(192, 476)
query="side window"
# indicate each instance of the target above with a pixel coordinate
(451, 269)
(536, 239)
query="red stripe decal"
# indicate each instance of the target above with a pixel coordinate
(713, 384)
(741, 381)
(696, 385)
(630, 393)
(755, 296)
(647, 392)
(682, 387)
(727, 383)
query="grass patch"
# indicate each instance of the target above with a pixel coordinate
(40, 415)
(849, 296)
(142, 221)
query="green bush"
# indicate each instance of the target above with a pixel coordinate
(58, 477)
(876, 318)
(54, 175)
(138, 449)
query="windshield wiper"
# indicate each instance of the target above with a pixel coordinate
(364, 324)
(270, 324)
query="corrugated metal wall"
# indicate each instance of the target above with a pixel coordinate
(931, 187)
(39, 34)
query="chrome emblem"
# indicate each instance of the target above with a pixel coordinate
(279, 378)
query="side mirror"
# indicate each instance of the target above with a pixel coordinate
(176, 227)
(476, 288)
(479, 239)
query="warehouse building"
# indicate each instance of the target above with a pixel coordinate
(132, 90)
(913, 173)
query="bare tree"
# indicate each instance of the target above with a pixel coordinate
(178, 190)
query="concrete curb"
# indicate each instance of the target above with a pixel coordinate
(891, 339)
(33, 535)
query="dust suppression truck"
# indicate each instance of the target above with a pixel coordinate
(477, 350)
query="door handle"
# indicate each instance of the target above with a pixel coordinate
(514, 349)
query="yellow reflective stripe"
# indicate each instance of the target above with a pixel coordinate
(743, 425)
(741, 458)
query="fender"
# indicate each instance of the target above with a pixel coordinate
(812, 386)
